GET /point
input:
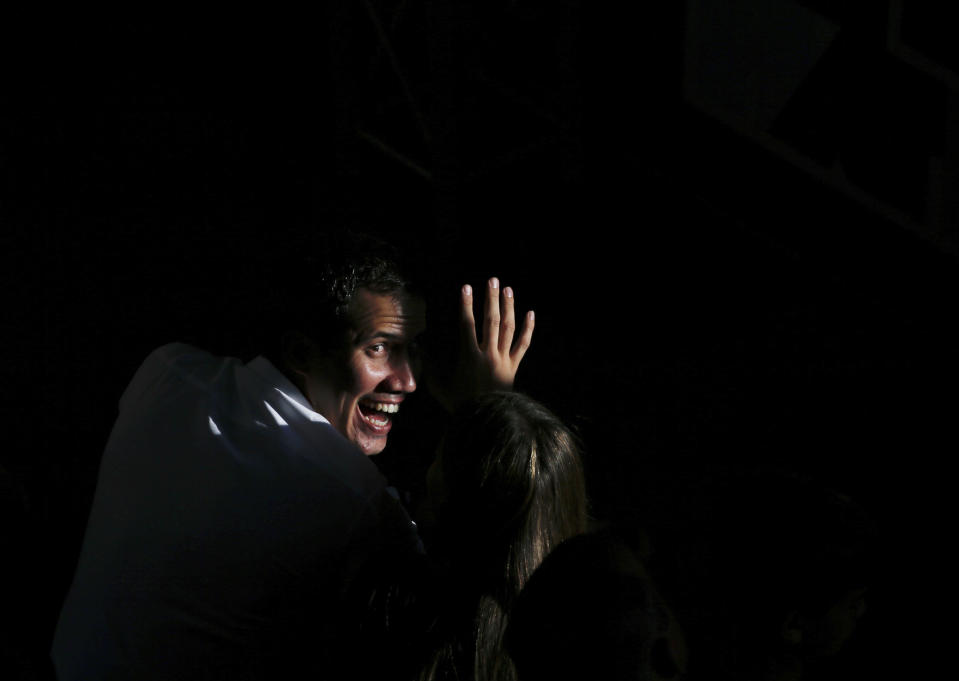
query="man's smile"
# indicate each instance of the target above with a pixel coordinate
(378, 414)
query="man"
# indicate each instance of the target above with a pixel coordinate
(234, 501)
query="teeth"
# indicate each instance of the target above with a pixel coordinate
(383, 407)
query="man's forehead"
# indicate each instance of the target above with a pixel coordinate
(394, 312)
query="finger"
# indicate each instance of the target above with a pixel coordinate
(507, 325)
(468, 322)
(491, 325)
(525, 338)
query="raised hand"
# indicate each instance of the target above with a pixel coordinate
(491, 363)
(486, 363)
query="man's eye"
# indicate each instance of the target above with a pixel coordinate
(377, 349)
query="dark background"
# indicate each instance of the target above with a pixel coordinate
(714, 288)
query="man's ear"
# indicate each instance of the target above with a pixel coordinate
(792, 629)
(296, 351)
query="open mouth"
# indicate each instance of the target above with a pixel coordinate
(378, 415)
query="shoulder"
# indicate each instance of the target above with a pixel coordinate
(174, 364)
(182, 355)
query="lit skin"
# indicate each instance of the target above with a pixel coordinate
(496, 355)
(376, 371)
(488, 360)
(360, 390)
(486, 364)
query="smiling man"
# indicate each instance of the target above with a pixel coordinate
(357, 358)
(235, 501)
(360, 385)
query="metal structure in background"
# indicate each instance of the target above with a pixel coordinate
(860, 97)
(453, 92)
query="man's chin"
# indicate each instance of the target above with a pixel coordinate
(374, 449)
(371, 445)
(371, 439)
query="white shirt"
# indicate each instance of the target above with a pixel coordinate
(227, 520)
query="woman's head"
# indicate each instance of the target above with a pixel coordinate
(591, 611)
(507, 486)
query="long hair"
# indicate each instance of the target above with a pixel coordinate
(512, 489)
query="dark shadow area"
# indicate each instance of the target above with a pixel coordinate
(703, 305)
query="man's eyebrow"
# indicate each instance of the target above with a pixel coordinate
(379, 333)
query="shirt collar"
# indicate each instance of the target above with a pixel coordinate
(284, 387)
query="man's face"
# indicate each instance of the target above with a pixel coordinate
(360, 389)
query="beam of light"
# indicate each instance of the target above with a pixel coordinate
(213, 427)
(306, 413)
(276, 416)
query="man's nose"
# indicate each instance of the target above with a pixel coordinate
(403, 378)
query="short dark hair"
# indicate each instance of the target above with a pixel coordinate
(332, 275)
(305, 290)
